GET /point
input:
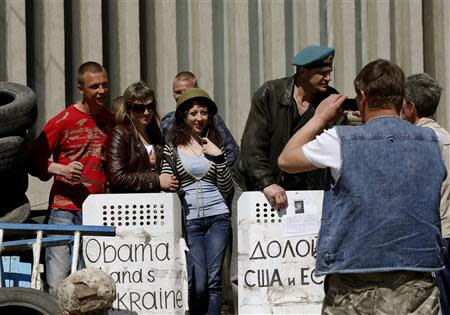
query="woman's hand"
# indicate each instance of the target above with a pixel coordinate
(168, 182)
(210, 148)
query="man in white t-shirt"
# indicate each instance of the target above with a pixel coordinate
(379, 240)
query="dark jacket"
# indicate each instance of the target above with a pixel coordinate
(128, 167)
(270, 124)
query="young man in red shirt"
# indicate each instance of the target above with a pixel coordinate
(74, 138)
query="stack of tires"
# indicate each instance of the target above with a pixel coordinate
(18, 112)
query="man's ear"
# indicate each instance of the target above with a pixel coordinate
(404, 103)
(80, 88)
(362, 97)
(413, 109)
(301, 71)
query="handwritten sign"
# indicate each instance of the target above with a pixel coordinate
(146, 259)
(276, 267)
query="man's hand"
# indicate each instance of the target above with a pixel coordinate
(71, 172)
(292, 159)
(354, 118)
(168, 182)
(276, 196)
(330, 108)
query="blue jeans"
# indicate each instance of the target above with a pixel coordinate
(443, 280)
(58, 258)
(207, 240)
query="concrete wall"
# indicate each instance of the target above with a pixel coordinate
(232, 46)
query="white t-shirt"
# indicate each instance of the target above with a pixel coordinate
(325, 151)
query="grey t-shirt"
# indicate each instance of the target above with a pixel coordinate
(203, 198)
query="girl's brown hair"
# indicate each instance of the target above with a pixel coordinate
(181, 131)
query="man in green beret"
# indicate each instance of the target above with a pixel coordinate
(279, 108)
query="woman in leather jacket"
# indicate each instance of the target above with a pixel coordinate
(133, 150)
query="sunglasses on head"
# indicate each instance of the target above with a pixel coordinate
(140, 108)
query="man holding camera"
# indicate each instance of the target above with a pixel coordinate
(379, 239)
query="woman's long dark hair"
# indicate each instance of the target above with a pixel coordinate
(181, 131)
(136, 92)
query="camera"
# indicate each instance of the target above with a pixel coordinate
(350, 104)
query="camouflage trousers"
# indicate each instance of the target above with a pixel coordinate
(393, 293)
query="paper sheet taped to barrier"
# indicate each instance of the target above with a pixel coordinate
(146, 259)
(275, 266)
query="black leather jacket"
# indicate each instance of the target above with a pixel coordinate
(270, 123)
(128, 168)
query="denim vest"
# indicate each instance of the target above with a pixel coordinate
(382, 214)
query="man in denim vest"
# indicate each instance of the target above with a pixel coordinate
(380, 239)
(422, 94)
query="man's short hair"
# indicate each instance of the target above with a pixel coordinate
(89, 66)
(383, 83)
(186, 76)
(424, 91)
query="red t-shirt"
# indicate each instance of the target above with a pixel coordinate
(72, 135)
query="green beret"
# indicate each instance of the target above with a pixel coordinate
(314, 57)
(196, 93)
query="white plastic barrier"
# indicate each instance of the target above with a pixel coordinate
(146, 258)
(276, 252)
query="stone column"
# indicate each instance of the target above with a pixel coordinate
(408, 36)
(202, 44)
(13, 63)
(306, 20)
(238, 76)
(48, 68)
(436, 30)
(124, 45)
(87, 39)
(341, 36)
(273, 39)
(165, 52)
(375, 29)
(47, 76)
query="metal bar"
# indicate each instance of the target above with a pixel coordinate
(35, 278)
(2, 284)
(28, 243)
(76, 251)
(1, 239)
(93, 230)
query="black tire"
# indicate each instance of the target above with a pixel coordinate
(25, 301)
(13, 182)
(15, 209)
(12, 154)
(18, 109)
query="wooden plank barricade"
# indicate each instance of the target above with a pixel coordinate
(146, 259)
(276, 254)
